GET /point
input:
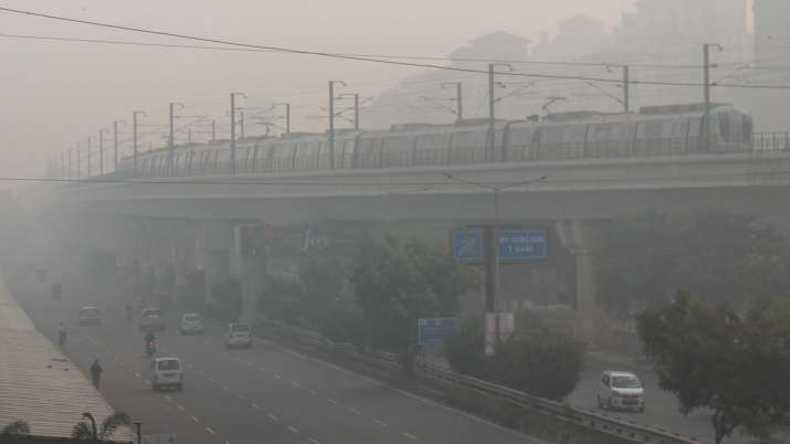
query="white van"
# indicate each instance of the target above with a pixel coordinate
(238, 335)
(167, 372)
(190, 323)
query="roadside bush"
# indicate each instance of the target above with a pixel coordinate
(464, 351)
(543, 359)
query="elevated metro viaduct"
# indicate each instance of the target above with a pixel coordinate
(193, 222)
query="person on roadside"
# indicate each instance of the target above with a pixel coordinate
(61, 335)
(96, 371)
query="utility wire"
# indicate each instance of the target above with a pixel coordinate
(380, 56)
(363, 58)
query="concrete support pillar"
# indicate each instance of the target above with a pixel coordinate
(580, 238)
(250, 265)
(215, 247)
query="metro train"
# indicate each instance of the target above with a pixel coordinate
(653, 131)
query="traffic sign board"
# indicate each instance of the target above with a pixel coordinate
(514, 245)
(433, 331)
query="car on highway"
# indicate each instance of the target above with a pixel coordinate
(191, 323)
(620, 390)
(151, 320)
(238, 335)
(90, 315)
(166, 372)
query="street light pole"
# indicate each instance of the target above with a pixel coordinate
(213, 130)
(88, 159)
(627, 88)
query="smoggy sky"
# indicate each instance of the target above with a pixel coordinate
(56, 94)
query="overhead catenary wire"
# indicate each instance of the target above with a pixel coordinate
(360, 58)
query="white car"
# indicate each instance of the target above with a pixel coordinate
(620, 390)
(166, 372)
(90, 315)
(190, 323)
(238, 335)
(151, 320)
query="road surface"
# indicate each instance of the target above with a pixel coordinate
(265, 394)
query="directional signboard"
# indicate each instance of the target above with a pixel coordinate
(514, 245)
(433, 331)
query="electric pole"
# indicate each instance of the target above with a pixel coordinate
(233, 131)
(189, 136)
(241, 124)
(69, 173)
(491, 111)
(459, 99)
(134, 137)
(213, 130)
(356, 111)
(627, 88)
(101, 152)
(332, 121)
(63, 171)
(287, 118)
(88, 159)
(115, 144)
(171, 141)
(79, 161)
(706, 86)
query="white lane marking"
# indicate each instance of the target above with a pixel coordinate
(296, 384)
(180, 407)
(354, 411)
(210, 430)
(396, 390)
(380, 422)
(312, 392)
(273, 417)
(242, 397)
(195, 419)
(332, 401)
(225, 387)
(169, 398)
(263, 369)
(409, 435)
(314, 441)
(293, 429)
(277, 376)
(255, 406)
(137, 374)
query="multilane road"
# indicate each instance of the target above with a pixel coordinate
(266, 394)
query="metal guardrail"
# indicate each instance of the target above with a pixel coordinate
(445, 378)
(772, 141)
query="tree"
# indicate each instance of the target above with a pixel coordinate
(542, 358)
(88, 431)
(13, 429)
(711, 356)
(396, 282)
(645, 260)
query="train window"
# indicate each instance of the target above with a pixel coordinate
(562, 142)
(368, 154)
(431, 148)
(306, 155)
(396, 150)
(610, 139)
(520, 143)
(654, 138)
(724, 127)
(472, 146)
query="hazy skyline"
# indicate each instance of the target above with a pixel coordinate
(59, 93)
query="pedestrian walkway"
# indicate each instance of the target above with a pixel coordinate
(38, 384)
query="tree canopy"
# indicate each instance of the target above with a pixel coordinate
(712, 356)
(396, 282)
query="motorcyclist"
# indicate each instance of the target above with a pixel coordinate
(96, 371)
(150, 343)
(61, 335)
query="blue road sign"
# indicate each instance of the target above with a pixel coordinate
(433, 331)
(522, 245)
(514, 245)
